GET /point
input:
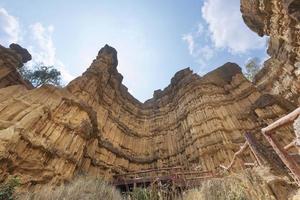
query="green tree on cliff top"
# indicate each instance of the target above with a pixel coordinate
(41, 74)
(252, 68)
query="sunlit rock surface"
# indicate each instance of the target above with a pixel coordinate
(280, 20)
(95, 126)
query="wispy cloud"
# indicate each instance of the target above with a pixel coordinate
(199, 47)
(9, 28)
(226, 27)
(222, 29)
(189, 39)
(37, 38)
(43, 51)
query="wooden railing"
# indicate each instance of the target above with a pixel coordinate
(287, 159)
(176, 176)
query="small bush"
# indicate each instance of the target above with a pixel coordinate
(7, 189)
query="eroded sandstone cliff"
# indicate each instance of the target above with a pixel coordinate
(11, 59)
(94, 125)
(278, 19)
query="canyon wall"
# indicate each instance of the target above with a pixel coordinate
(278, 19)
(95, 126)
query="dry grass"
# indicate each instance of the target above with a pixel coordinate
(247, 185)
(217, 189)
(82, 188)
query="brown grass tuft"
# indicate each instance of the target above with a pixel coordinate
(247, 185)
(82, 188)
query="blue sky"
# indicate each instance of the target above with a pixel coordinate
(154, 39)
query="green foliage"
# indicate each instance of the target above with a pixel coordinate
(7, 189)
(41, 74)
(252, 68)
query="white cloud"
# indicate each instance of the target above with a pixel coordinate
(192, 39)
(189, 39)
(226, 26)
(207, 52)
(222, 30)
(43, 49)
(200, 29)
(200, 50)
(37, 38)
(9, 28)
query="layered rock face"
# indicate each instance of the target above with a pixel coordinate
(94, 125)
(11, 59)
(280, 20)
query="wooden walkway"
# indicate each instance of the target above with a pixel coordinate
(175, 177)
(181, 178)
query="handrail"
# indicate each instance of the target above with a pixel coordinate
(149, 170)
(282, 121)
(268, 131)
(164, 171)
(179, 175)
